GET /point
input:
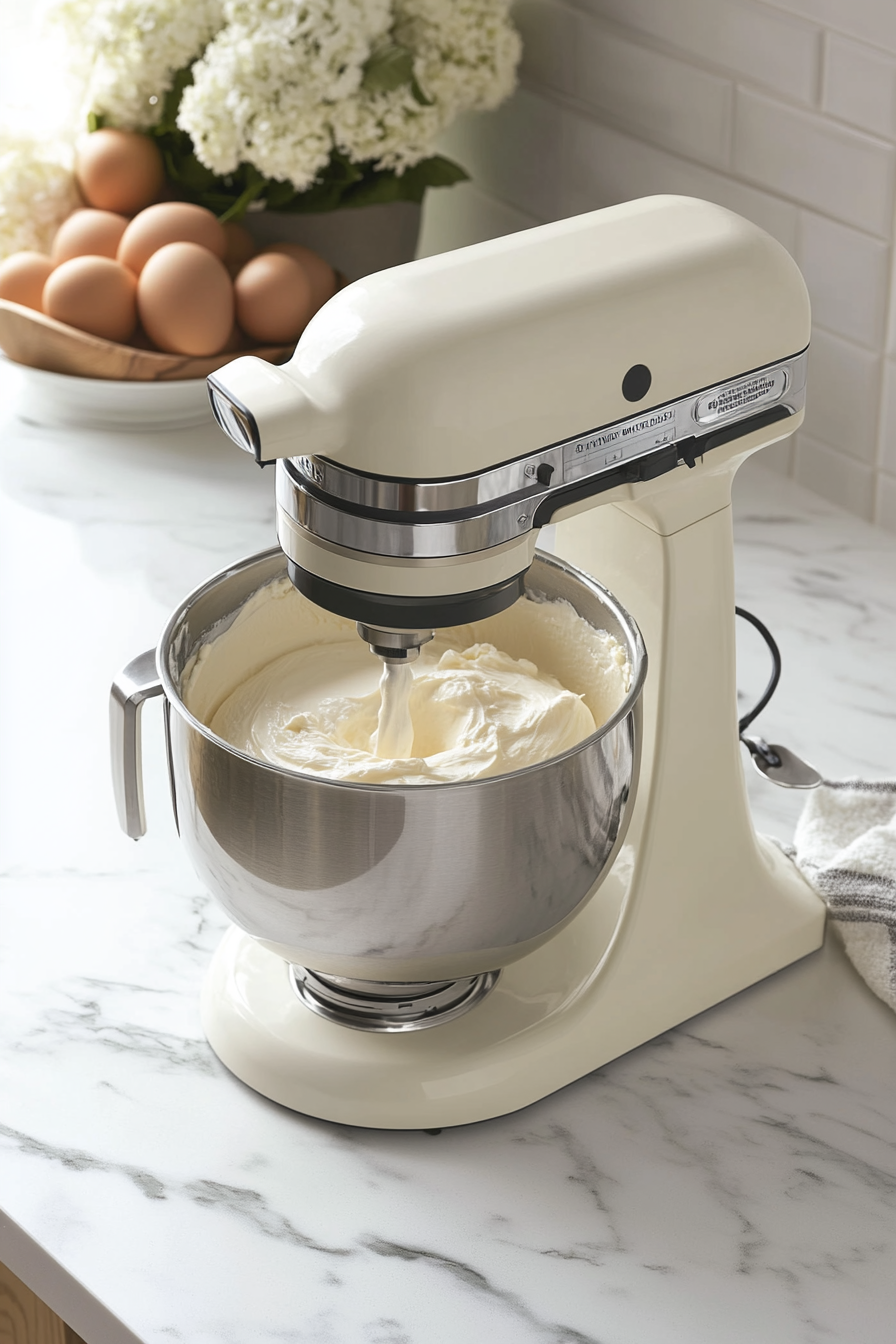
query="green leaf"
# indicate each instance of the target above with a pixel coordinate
(438, 172)
(279, 195)
(341, 169)
(320, 197)
(326, 193)
(167, 122)
(371, 186)
(218, 202)
(388, 68)
(419, 94)
(189, 172)
(95, 121)
(240, 205)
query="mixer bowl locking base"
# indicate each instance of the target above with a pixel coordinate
(370, 1005)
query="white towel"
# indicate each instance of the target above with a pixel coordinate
(845, 845)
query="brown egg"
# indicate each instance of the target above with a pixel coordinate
(185, 300)
(169, 222)
(119, 170)
(88, 233)
(240, 246)
(23, 276)
(274, 299)
(95, 294)
(320, 272)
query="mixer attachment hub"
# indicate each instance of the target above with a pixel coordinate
(373, 1005)
(394, 646)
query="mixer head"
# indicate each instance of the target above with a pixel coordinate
(434, 417)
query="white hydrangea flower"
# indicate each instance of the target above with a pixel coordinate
(265, 87)
(467, 51)
(283, 82)
(465, 58)
(129, 51)
(37, 192)
(393, 130)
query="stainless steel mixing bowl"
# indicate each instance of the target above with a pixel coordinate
(383, 882)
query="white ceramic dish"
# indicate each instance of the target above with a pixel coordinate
(60, 401)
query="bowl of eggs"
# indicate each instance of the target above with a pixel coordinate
(139, 299)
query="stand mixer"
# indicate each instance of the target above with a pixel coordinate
(608, 374)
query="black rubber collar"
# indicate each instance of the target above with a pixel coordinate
(406, 613)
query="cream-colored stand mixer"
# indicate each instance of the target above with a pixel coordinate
(609, 374)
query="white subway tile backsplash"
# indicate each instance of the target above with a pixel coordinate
(549, 31)
(847, 273)
(890, 341)
(779, 456)
(872, 21)
(843, 396)
(604, 166)
(885, 503)
(860, 86)
(886, 456)
(515, 153)
(836, 477)
(659, 97)
(461, 215)
(548, 161)
(841, 172)
(764, 45)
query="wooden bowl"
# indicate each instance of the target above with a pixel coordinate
(40, 342)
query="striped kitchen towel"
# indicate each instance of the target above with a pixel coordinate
(845, 845)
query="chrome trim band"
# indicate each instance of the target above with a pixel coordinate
(406, 541)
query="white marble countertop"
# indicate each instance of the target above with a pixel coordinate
(733, 1180)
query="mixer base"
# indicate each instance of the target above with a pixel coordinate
(605, 984)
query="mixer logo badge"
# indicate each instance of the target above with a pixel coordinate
(750, 392)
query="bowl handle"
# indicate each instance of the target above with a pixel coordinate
(139, 681)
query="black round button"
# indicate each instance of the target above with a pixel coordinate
(636, 383)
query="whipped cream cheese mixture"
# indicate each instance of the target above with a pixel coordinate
(473, 709)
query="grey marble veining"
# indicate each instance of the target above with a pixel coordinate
(732, 1180)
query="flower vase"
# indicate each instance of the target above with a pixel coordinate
(355, 241)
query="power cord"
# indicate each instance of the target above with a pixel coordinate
(779, 764)
(744, 722)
